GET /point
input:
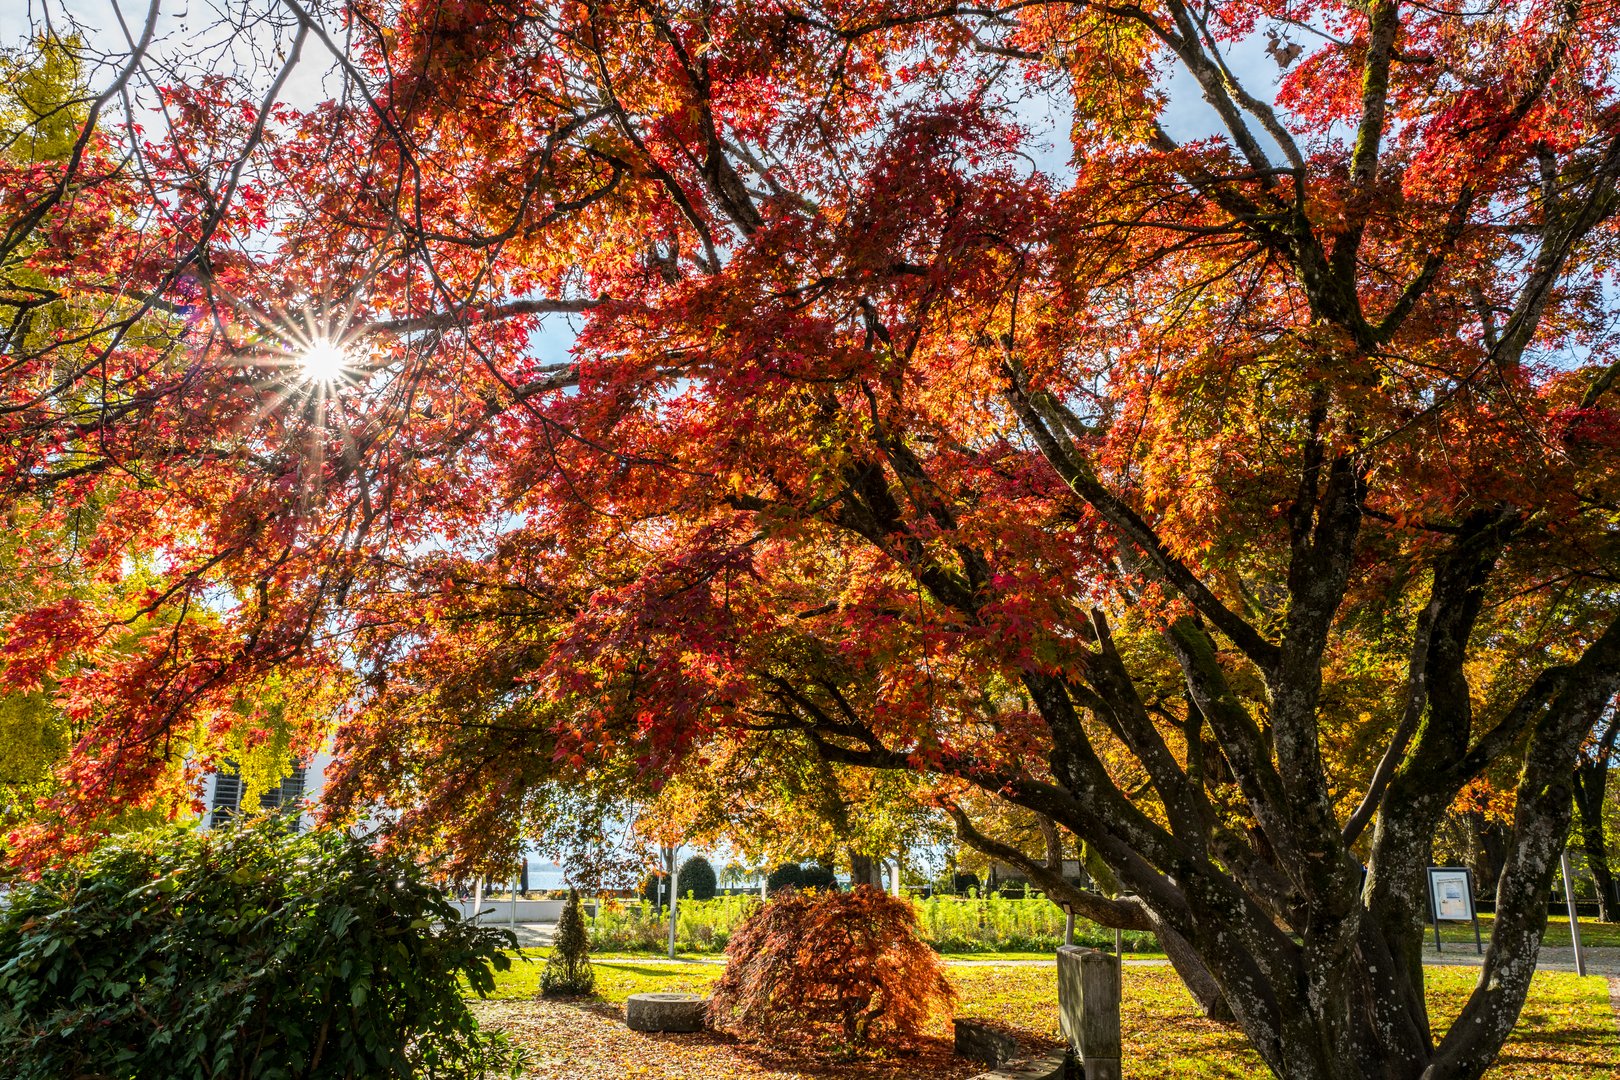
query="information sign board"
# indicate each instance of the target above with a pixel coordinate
(1451, 899)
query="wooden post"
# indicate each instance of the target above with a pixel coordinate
(1574, 922)
(1088, 1009)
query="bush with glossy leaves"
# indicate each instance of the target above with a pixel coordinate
(246, 952)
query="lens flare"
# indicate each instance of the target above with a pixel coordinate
(323, 361)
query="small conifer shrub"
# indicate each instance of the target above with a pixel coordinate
(568, 970)
(841, 968)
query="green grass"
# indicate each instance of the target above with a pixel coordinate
(1566, 1030)
(616, 979)
(1594, 934)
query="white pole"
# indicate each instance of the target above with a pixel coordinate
(1574, 923)
(764, 879)
(478, 898)
(674, 891)
(897, 872)
(1068, 926)
(511, 921)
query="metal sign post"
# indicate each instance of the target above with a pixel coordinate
(1574, 922)
(673, 892)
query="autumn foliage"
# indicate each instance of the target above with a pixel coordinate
(943, 401)
(847, 968)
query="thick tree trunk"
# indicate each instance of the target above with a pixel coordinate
(864, 870)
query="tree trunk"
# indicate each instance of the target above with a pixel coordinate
(1200, 983)
(864, 870)
(1487, 849)
(1591, 783)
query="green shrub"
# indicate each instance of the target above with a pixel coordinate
(702, 925)
(633, 926)
(568, 968)
(1003, 924)
(950, 924)
(696, 879)
(786, 876)
(244, 952)
(817, 876)
(654, 889)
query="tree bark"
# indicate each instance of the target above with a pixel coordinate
(864, 870)
(1590, 785)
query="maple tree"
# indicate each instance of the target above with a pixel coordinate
(1236, 501)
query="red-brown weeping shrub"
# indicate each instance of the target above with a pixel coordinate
(849, 966)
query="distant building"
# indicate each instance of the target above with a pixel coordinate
(222, 793)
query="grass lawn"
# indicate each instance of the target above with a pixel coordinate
(616, 979)
(1567, 1029)
(1594, 934)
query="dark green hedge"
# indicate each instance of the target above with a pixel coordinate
(696, 879)
(242, 952)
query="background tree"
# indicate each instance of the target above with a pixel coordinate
(697, 878)
(786, 876)
(1592, 771)
(772, 797)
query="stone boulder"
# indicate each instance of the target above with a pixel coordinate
(665, 1012)
(978, 1040)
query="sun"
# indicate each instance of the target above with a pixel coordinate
(323, 361)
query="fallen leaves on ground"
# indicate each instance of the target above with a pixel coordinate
(587, 1040)
(1566, 1032)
